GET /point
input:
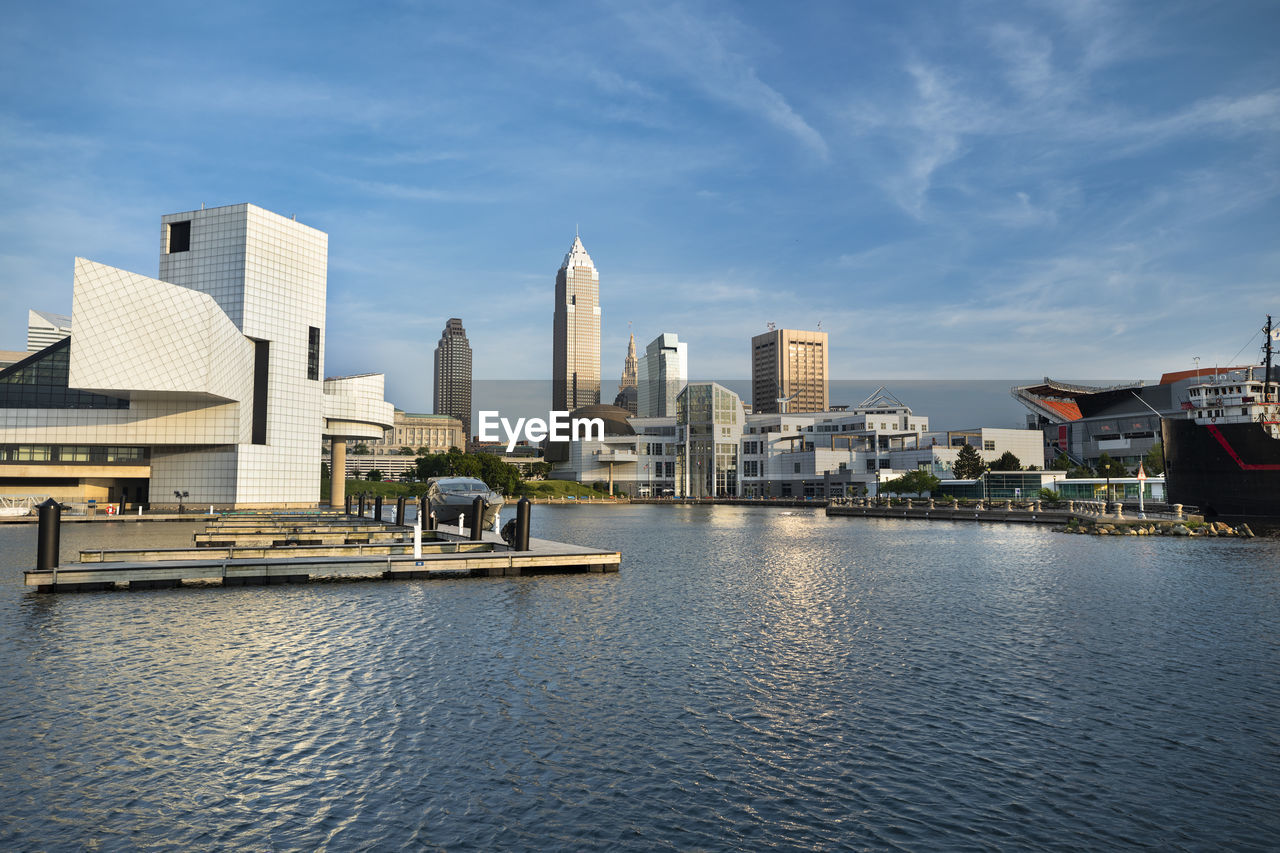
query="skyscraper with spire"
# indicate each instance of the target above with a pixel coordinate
(575, 357)
(627, 391)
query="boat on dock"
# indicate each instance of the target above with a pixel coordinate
(451, 497)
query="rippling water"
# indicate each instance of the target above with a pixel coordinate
(752, 679)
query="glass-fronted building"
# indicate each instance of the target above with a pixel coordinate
(709, 417)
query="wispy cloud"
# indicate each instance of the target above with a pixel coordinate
(701, 50)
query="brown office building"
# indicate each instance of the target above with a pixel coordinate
(792, 365)
(575, 368)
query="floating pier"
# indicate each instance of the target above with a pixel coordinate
(262, 550)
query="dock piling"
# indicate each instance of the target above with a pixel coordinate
(523, 511)
(48, 538)
(477, 519)
(377, 507)
(400, 511)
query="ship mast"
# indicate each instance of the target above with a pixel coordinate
(1266, 377)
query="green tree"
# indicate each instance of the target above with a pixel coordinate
(360, 449)
(1153, 462)
(1108, 467)
(968, 464)
(1007, 462)
(1062, 463)
(374, 475)
(915, 482)
(498, 475)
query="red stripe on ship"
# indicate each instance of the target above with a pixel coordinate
(1244, 466)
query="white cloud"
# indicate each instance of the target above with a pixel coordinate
(700, 49)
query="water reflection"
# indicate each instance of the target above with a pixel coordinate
(749, 680)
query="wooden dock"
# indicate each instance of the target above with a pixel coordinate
(443, 554)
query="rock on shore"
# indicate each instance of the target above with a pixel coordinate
(1120, 527)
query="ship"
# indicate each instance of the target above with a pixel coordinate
(1222, 449)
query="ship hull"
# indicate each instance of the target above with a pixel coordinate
(1224, 469)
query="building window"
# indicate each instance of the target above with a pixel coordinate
(179, 236)
(313, 353)
(261, 362)
(988, 445)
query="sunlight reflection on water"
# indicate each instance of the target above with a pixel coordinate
(751, 679)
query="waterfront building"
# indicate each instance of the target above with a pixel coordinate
(628, 394)
(714, 448)
(203, 385)
(663, 372)
(45, 329)
(794, 454)
(575, 367)
(1123, 421)
(709, 419)
(610, 459)
(453, 375)
(790, 366)
(416, 431)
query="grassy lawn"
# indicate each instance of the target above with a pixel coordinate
(373, 489)
(559, 489)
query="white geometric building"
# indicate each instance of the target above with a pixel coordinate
(206, 380)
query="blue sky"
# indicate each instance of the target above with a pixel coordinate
(954, 190)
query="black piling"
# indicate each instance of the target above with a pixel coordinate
(431, 516)
(348, 505)
(362, 504)
(377, 507)
(400, 511)
(477, 518)
(49, 536)
(524, 509)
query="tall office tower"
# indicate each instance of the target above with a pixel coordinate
(627, 391)
(664, 370)
(453, 373)
(44, 329)
(789, 365)
(575, 367)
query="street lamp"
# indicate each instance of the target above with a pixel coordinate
(180, 496)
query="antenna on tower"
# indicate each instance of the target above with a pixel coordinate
(819, 325)
(772, 326)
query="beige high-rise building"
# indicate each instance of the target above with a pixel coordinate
(790, 365)
(575, 368)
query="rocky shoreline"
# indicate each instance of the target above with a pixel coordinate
(1117, 527)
